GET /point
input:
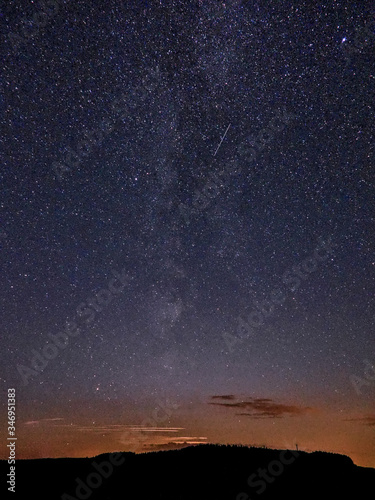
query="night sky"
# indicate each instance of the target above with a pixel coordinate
(187, 225)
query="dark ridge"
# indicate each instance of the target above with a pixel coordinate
(194, 473)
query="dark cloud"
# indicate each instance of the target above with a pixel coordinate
(261, 407)
(367, 420)
(225, 397)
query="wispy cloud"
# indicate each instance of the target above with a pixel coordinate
(110, 428)
(129, 428)
(259, 407)
(42, 421)
(175, 444)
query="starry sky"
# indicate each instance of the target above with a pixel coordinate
(187, 225)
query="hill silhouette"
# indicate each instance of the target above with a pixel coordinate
(193, 473)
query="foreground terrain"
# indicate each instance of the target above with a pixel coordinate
(198, 472)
